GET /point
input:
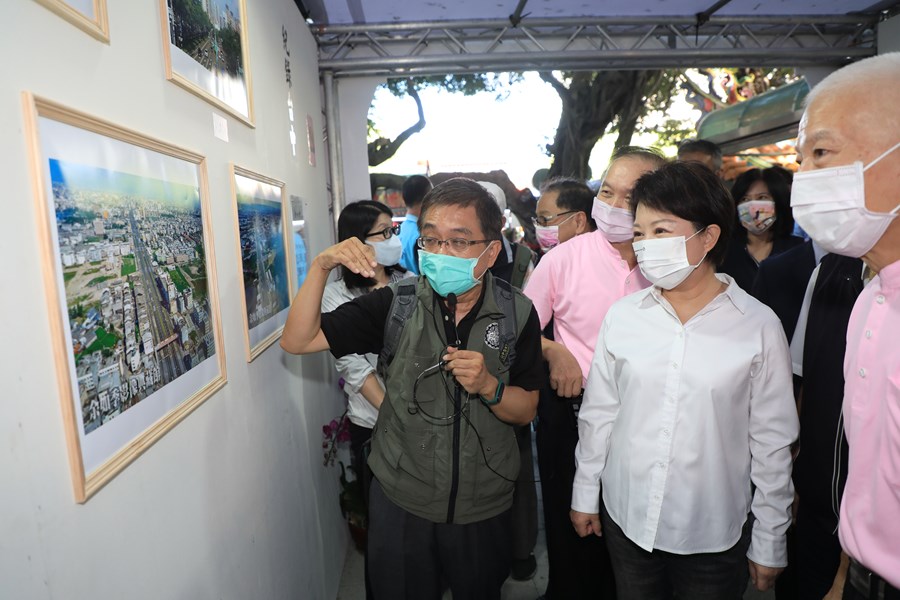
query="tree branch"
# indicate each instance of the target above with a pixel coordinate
(382, 149)
(561, 89)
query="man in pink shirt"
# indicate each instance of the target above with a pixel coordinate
(574, 285)
(846, 197)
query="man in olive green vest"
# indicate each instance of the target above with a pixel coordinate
(464, 369)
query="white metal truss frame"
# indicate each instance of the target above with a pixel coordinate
(440, 47)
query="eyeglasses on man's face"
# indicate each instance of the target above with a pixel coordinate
(387, 232)
(544, 221)
(456, 245)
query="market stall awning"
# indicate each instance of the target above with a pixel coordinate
(764, 119)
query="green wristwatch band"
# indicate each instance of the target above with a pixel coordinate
(498, 394)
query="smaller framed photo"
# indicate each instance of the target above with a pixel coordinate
(205, 49)
(301, 241)
(87, 15)
(264, 250)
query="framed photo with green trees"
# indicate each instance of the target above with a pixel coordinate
(264, 248)
(87, 15)
(124, 225)
(205, 47)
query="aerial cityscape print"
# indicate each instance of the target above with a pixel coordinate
(207, 48)
(263, 256)
(133, 263)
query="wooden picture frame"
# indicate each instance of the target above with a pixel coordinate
(263, 234)
(127, 252)
(214, 62)
(95, 24)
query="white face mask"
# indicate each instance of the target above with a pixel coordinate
(830, 205)
(616, 223)
(664, 261)
(388, 252)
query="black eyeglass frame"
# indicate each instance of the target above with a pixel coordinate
(544, 221)
(456, 245)
(387, 232)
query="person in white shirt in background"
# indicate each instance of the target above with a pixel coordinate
(688, 414)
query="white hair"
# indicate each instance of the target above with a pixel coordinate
(872, 71)
(496, 193)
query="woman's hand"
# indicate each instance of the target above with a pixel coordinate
(353, 254)
(586, 523)
(763, 577)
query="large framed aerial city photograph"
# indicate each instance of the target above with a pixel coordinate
(87, 15)
(130, 282)
(205, 47)
(264, 236)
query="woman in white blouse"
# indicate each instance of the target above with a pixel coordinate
(688, 413)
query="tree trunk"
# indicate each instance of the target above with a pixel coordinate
(591, 103)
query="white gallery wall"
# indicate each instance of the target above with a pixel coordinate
(233, 502)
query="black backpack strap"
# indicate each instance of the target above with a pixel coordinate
(506, 302)
(402, 307)
(521, 261)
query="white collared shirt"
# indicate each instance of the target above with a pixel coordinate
(678, 419)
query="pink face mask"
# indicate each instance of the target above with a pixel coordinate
(548, 236)
(617, 224)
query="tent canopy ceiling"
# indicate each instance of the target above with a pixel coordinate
(398, 38)
(359, 12)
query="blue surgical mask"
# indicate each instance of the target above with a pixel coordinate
(449, 274)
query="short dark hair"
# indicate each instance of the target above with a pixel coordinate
(356, 220)
(778, 180)
(703, 147)
(572, 194)
(651, 155)
(414, 189)
(463, 192)
(691, 192)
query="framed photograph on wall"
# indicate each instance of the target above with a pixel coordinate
(87, 15)
(263, 232)
(205, 47)
(124, 224)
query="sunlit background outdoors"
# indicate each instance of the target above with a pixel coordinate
(508, 129)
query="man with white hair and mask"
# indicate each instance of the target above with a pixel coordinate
(846, 197)
(516, 261)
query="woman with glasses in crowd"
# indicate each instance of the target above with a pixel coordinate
(766, 224)
(370, 222)
(688, 414)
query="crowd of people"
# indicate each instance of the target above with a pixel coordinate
(714, 387)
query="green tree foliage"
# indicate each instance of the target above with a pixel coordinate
(230, 41)
(192, 24)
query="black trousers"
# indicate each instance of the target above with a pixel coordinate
(360, 438)
(659, 575)
(580, 568)
(863, 584)
(524, 508)
(409, 557)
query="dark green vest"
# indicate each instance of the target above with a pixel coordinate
(413, 456)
